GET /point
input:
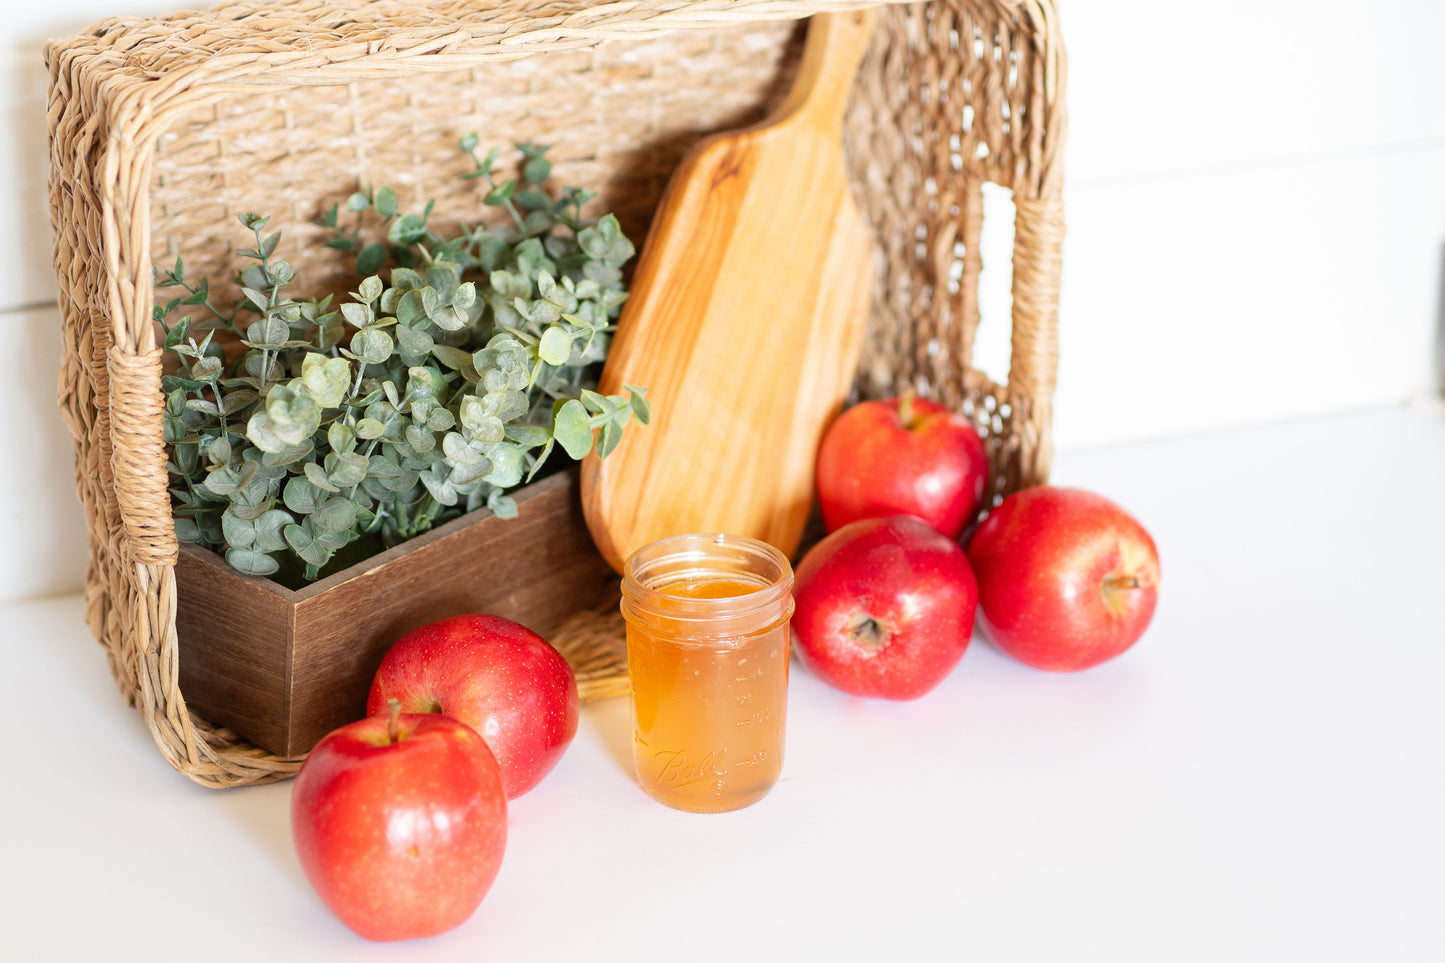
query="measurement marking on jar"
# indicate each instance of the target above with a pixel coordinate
(760, 716)
(755, 759)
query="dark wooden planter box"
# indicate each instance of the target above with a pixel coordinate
(283, 668)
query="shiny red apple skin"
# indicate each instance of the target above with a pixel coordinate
(501, 678)
(897, 575)
(400, 840)
(1066, 578)
(892, 457)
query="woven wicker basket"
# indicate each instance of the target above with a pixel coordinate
(161, 130)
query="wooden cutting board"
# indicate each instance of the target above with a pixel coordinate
(744, 322)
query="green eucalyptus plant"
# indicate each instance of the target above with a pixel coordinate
(432, 392)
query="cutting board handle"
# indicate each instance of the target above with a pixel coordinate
(834, 49)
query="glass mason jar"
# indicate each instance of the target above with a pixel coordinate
(707, 651)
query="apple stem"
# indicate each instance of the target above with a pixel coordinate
(1114, 582)
(905, 408)
(393, 722)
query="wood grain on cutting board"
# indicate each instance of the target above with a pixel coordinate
(744, 322)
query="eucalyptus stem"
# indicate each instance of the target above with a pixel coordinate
(220, 406)
(507, 203)
(228, 322)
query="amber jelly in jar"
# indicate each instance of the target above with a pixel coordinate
(707, 651)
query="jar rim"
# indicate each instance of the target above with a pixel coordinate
(699, 555)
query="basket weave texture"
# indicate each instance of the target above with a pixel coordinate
(163, 129)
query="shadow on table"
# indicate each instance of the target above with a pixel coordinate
(263, 813)
(611, 721)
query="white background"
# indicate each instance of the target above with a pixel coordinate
(1256, 214)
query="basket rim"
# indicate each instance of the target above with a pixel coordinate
(250, 43)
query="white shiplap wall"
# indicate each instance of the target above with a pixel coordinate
(1256, 208)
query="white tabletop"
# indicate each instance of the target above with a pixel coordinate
(1261, 778)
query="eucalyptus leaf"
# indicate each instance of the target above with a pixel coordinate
(507, 466)
(416, 342)
(336, 514)
(345, 470)
(256, 365)
(340, 437)
(501, 505)
(528, 436)
(456, 448)
(439, 488)
(218, 451)
(317, 476)
(270, 331)
(537, 170)
(572, 428)
(246, 474)
(371, 288)
(379, 466)
(288, 417)
(392, 477)
(187, 458)
(406, 230)
(207, 368)
(454, 358)
(368, 428)
(556, 345)
(248, 505)
(449, 318)
(608, 438)
(240, 532)
(177, 333)
(236, 400)
(385, 201)
(333, 541)
(440, 419)
(541, 459)
(327, 379)
(187, 531)
(250, 562)
(372, 345)
(465, 478)
(300, 495)
(289, 455)
(268, 530)
(223, 481)
(420, 439)
(358, 316)
(304, 544)
(637, 399)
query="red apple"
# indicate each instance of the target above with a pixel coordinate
(907, 456)
(400, 824)
(1066, 578)
(500, 678)
(884, 607)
